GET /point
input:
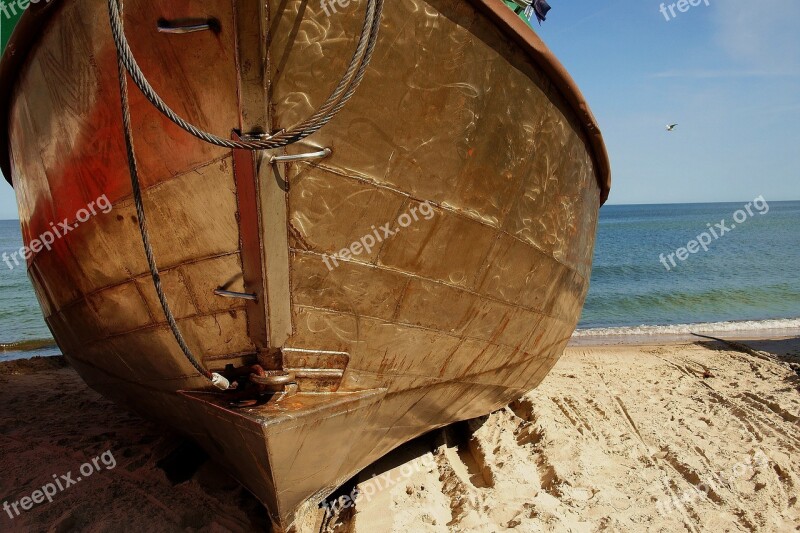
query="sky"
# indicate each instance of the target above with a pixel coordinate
(728, 73)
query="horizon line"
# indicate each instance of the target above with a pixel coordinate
(695, 203)
(605, 205)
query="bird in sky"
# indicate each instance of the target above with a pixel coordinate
(671, 127)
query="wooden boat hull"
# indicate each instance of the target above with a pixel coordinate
(451, 316)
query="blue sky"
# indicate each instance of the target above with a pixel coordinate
(727, 73)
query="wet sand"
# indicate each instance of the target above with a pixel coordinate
(695, 436)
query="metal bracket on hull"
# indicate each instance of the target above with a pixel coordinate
(316, 370)
(253, 385)
(304, 371)
(183, 26)
(262, 197)
(322, 154)
(240, 295)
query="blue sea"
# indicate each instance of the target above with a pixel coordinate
(747, 279)
(23, 332)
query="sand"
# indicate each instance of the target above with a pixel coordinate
(695, 436)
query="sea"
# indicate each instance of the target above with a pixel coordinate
(742, 274)
(23, 332)
(746, 276)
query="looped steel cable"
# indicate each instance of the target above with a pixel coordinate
(148, 249)
(126, 62)
(343, 92)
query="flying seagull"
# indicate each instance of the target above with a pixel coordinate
(671, 127)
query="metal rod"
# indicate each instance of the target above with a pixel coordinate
(175, 27)
(239, 295)
(301, 157)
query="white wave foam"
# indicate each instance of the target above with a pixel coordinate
(707, 327)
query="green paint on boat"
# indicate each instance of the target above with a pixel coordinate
(515, 7)
(10, 13)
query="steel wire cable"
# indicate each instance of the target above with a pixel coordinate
(126, 63)
(343, 92)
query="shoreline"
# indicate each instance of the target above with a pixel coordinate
(643, 335)
(657, 339)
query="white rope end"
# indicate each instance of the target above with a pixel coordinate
(220, 381)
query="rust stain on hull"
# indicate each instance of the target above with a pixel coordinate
(450, 317)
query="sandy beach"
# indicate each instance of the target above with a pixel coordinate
(693, 435)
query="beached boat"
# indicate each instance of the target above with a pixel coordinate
(421, 258)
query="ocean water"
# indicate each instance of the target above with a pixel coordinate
(748, 279)
(23, 332)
